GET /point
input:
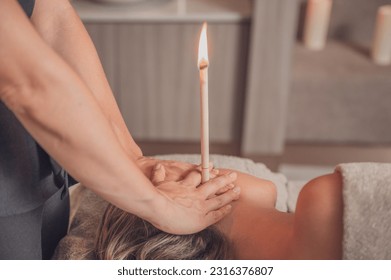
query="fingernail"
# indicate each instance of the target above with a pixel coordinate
(215, 171)
(158, 166)
(236, 190)
(232, 175)
(231, 186)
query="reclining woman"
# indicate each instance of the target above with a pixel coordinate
(254, 229)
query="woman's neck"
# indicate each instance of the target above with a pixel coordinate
(262, 233)
(255, 228)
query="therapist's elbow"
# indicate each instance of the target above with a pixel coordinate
(17, 97)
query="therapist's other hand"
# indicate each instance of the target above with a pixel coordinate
(174, 170)
(190, 207)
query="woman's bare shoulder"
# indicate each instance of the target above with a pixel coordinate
(318, 218)
(255, 190)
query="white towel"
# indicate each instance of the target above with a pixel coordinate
(367, 210)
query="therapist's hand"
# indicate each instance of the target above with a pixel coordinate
(190, 207)
(174, 170)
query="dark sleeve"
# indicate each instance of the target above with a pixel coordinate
(28, 6)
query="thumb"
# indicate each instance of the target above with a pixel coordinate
(158, 174)
(193, 179)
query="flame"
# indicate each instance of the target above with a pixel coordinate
(203, 60)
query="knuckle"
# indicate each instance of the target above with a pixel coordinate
(220, 180)
(234, 195)
(219, 201)
(222, 190)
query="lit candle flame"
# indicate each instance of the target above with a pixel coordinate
(203, 60)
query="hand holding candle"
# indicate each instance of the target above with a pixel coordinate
(203, 64)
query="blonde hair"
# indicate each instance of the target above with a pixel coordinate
(124, 236)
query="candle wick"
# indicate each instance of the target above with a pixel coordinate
(203, 64)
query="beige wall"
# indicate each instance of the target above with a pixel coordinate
(153, 71)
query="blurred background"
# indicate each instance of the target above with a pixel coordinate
(271, 99)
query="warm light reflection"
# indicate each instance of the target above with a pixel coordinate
(203, 60)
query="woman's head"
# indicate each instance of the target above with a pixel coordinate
(125, 236)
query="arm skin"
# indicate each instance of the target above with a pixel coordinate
(58, 24)
(59, 110)
(60, 27)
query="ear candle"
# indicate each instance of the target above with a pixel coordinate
(381, 46)
(203, 64)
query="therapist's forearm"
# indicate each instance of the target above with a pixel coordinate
(60, 112)
(64, 32)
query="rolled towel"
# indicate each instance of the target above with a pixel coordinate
(367, 210)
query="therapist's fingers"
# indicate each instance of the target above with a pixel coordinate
(192, 179)
(222, 200)
(213, 173)
(211, 166)
(210, 188)
(225, 189)
(215, 216)
(158, 174)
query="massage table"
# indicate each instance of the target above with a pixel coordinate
(366, 194)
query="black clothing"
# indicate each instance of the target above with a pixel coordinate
(28, 6)
(34, 200)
